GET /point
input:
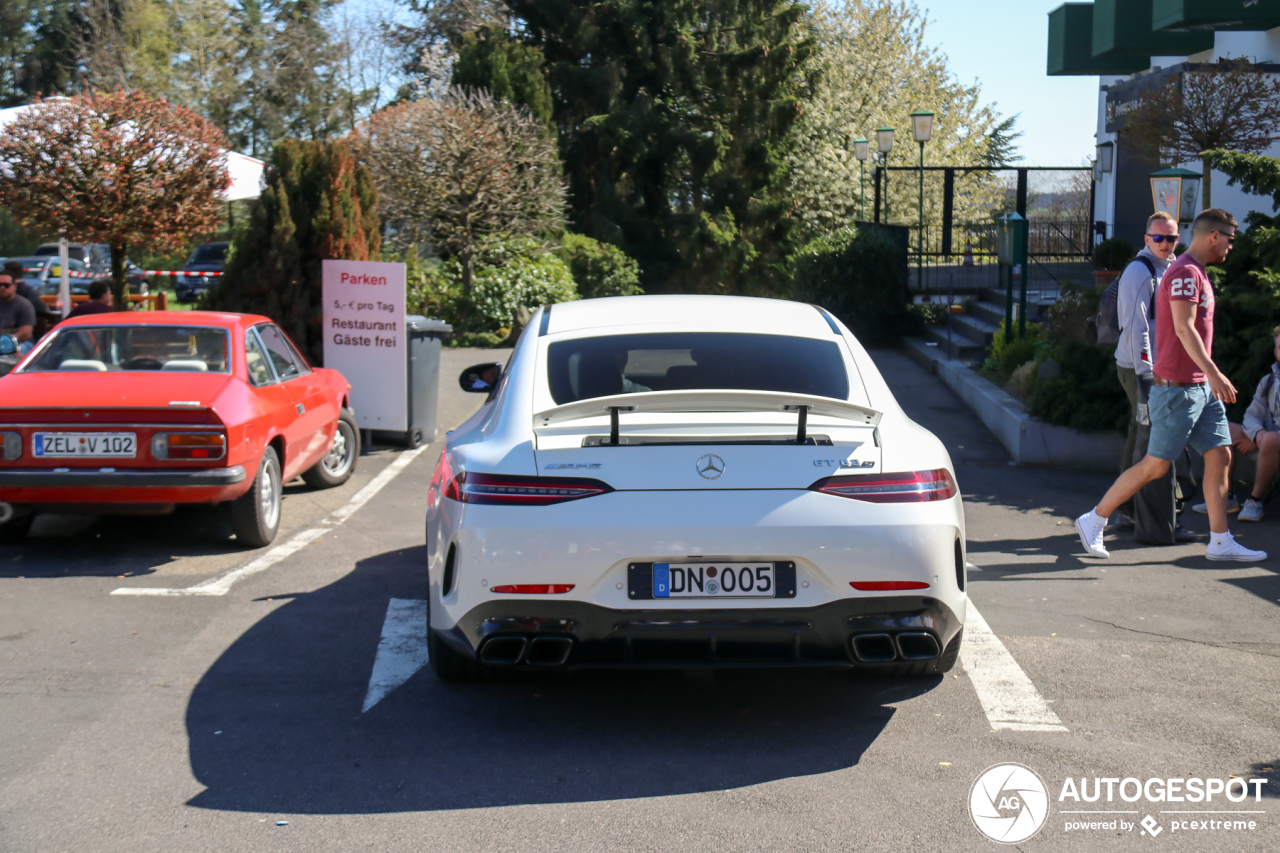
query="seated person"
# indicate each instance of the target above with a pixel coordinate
(17, 317)
(1258, 437)
(100, 301)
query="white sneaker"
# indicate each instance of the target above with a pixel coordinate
(1233, 505)
(1230, 549)
(1252, 511)
(1090, 526)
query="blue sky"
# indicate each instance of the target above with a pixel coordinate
(1002, 44)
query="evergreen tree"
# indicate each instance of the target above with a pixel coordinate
(511, 71)
(319, 203)
(39, 46)
(675, 119)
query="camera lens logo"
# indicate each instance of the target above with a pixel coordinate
(1009, 803)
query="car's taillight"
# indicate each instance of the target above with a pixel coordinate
(188, 445)
(533, 588)
(472, 488)
(935, 485)
(887, 586)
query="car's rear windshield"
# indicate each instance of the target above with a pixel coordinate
(210, 253)
(620, 364)
(193, 349)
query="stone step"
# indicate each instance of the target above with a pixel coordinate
(955, 346)
(1038, 303)
(974, 328)
(991, 312)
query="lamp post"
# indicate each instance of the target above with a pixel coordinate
(861, 149)
(921, 130)
(884, 141)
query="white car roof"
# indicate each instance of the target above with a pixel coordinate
(707, 313)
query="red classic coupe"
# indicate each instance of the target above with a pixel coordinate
(136, 412)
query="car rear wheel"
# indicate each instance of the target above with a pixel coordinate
(336, 466)
(255, 515)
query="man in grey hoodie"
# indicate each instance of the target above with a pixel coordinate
(1136, 349)
(1260, 435)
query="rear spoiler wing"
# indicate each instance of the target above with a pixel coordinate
(709, 401)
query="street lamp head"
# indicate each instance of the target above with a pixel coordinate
(884, 139)
(861, 148)
(1106, 155)
(922, 125)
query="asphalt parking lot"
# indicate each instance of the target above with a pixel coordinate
(274, 713)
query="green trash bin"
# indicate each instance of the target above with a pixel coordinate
(425, 339)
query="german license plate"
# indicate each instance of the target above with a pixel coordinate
(86, 444)
(713, 580)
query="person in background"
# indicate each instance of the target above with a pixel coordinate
(100, 301)
(17, 317)
(1260, 434)
(44, 317)
(1187, 404)
(1135, 356)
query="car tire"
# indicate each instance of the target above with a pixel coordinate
(337, 466)
(447, 663)
(255, 515)
(15, 529)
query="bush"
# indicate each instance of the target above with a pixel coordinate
(922, 315)
(1086, 395)
(599, 269)
(1069, 316)
(860, 276)
(1009, 352)
(1112, 254)
(508, 274)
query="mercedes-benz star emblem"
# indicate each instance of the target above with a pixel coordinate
(710, 466)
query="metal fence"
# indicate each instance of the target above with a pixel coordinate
(950, 259)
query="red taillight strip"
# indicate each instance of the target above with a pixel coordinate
(501, 490)
(533, 588)
(884, 586)
(916, 486)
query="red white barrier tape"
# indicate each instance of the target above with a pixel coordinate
(74, 274)
(179, 272)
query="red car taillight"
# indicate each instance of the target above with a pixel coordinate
(915, 486)
(887, 586)
(188, 445)
(533, 588)
(504, 490)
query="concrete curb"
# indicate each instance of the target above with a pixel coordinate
(1029, 441)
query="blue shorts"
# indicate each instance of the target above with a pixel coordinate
(1185, 415)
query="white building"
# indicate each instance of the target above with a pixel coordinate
(1130, 44)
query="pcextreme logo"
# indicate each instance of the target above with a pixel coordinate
(1009, 803)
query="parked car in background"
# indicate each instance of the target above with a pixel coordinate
(208, 257)
(45, 274)
(97, 258)
(9, 356)
(140, 412)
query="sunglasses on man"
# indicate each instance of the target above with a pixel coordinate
(1163, 238)
(1230, 235)
(8, 284)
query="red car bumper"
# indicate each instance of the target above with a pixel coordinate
(128, 486)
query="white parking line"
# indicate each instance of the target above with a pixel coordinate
(221, 584)
(402, 651)
(1007, 695)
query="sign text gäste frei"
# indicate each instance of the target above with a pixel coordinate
(364, 337)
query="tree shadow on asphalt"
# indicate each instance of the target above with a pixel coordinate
(275, 725)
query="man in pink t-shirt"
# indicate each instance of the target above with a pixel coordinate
(1186, 405)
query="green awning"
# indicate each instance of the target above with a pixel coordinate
(1191, 15)
(1071, 46)
(1124, 28)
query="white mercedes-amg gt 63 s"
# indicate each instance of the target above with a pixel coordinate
(685, 481)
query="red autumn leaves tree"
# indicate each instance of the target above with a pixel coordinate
(119, 167)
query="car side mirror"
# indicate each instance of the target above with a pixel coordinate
(481, 378)
(8, 345)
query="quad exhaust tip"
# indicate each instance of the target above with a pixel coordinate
(882, 648)
(918, 646)
(539, 651)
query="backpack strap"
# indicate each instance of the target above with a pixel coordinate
(1151, 268)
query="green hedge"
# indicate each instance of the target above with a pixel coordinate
(860, 276)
